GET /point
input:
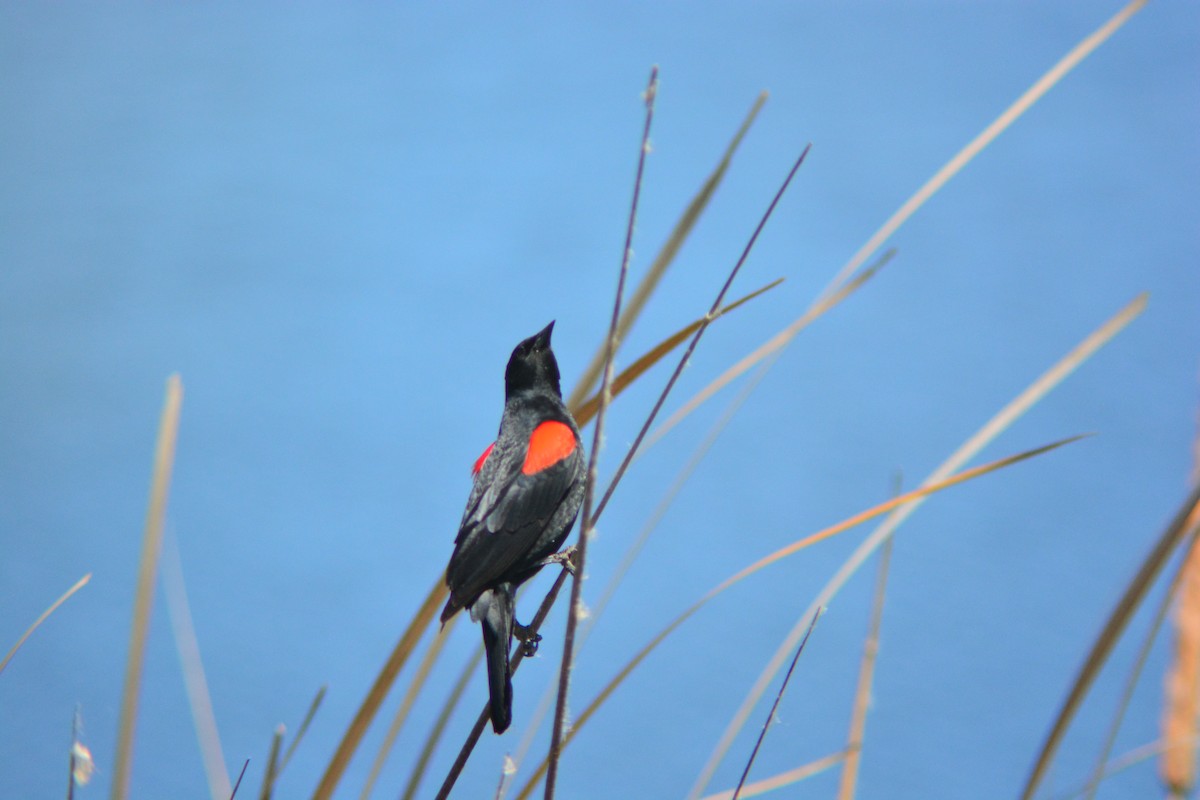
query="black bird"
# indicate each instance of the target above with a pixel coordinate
(527, 492)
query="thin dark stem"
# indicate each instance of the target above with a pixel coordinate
(637, 442)
(241, 775)
(775, 706)
(514, 662)
(589, 521)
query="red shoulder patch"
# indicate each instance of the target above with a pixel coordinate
(549, 444)
(479, 462)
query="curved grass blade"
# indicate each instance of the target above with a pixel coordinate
(439, 726)
(1135, 674)
(156, 512)
(379, 690)
(844, 525)
(410, 697)
(664, 258)
(992, 428)
(998, 126)
(1186, 519)
(195, 683)
(37, 623)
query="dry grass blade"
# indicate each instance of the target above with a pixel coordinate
(1135, 673)
(586, 410)
(964, 156)
(1178, 763)
(379, 690)
(156, 512)
(194, 680)
(410, 697)
(772, 346)
(268, 784)
(587, 520)
(876, 511)
(866, 674)
(1186, 519)
(37, 623)
(992, 428)
(787, 678)
(664, 258)
(439, 725)
(782, 779)
(303, 729)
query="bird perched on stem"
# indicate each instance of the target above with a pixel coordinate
(527, 491)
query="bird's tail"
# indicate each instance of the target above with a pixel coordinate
(497, 624)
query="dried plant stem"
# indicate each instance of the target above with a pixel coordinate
(79, 584)
(866, 675)
(514, 662)
(156, 512)
(268, 784)
(633, 449)
(992, 428)
(683, 227)
(588, 521)
(303, 729)
(775, 706)
(238, 782)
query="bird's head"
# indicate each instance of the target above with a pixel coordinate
(532, 365)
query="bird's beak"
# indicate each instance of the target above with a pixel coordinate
(542, 338)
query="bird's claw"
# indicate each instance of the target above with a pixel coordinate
(528, 638)
(567, 559)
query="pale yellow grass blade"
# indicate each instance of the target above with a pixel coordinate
(866, 675)
(782, 779)
(1005, 417)
(194, 680)
(964, 156)
(164, 461)
(37, 623)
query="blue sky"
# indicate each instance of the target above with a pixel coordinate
(335, 223)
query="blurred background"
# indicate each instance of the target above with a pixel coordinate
(336, 222)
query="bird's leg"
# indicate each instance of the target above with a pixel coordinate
(528, 638)
(566, 559)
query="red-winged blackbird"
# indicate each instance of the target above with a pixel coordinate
(527, 492)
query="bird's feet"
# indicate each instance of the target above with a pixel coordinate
(528, 638)
(567, 559)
